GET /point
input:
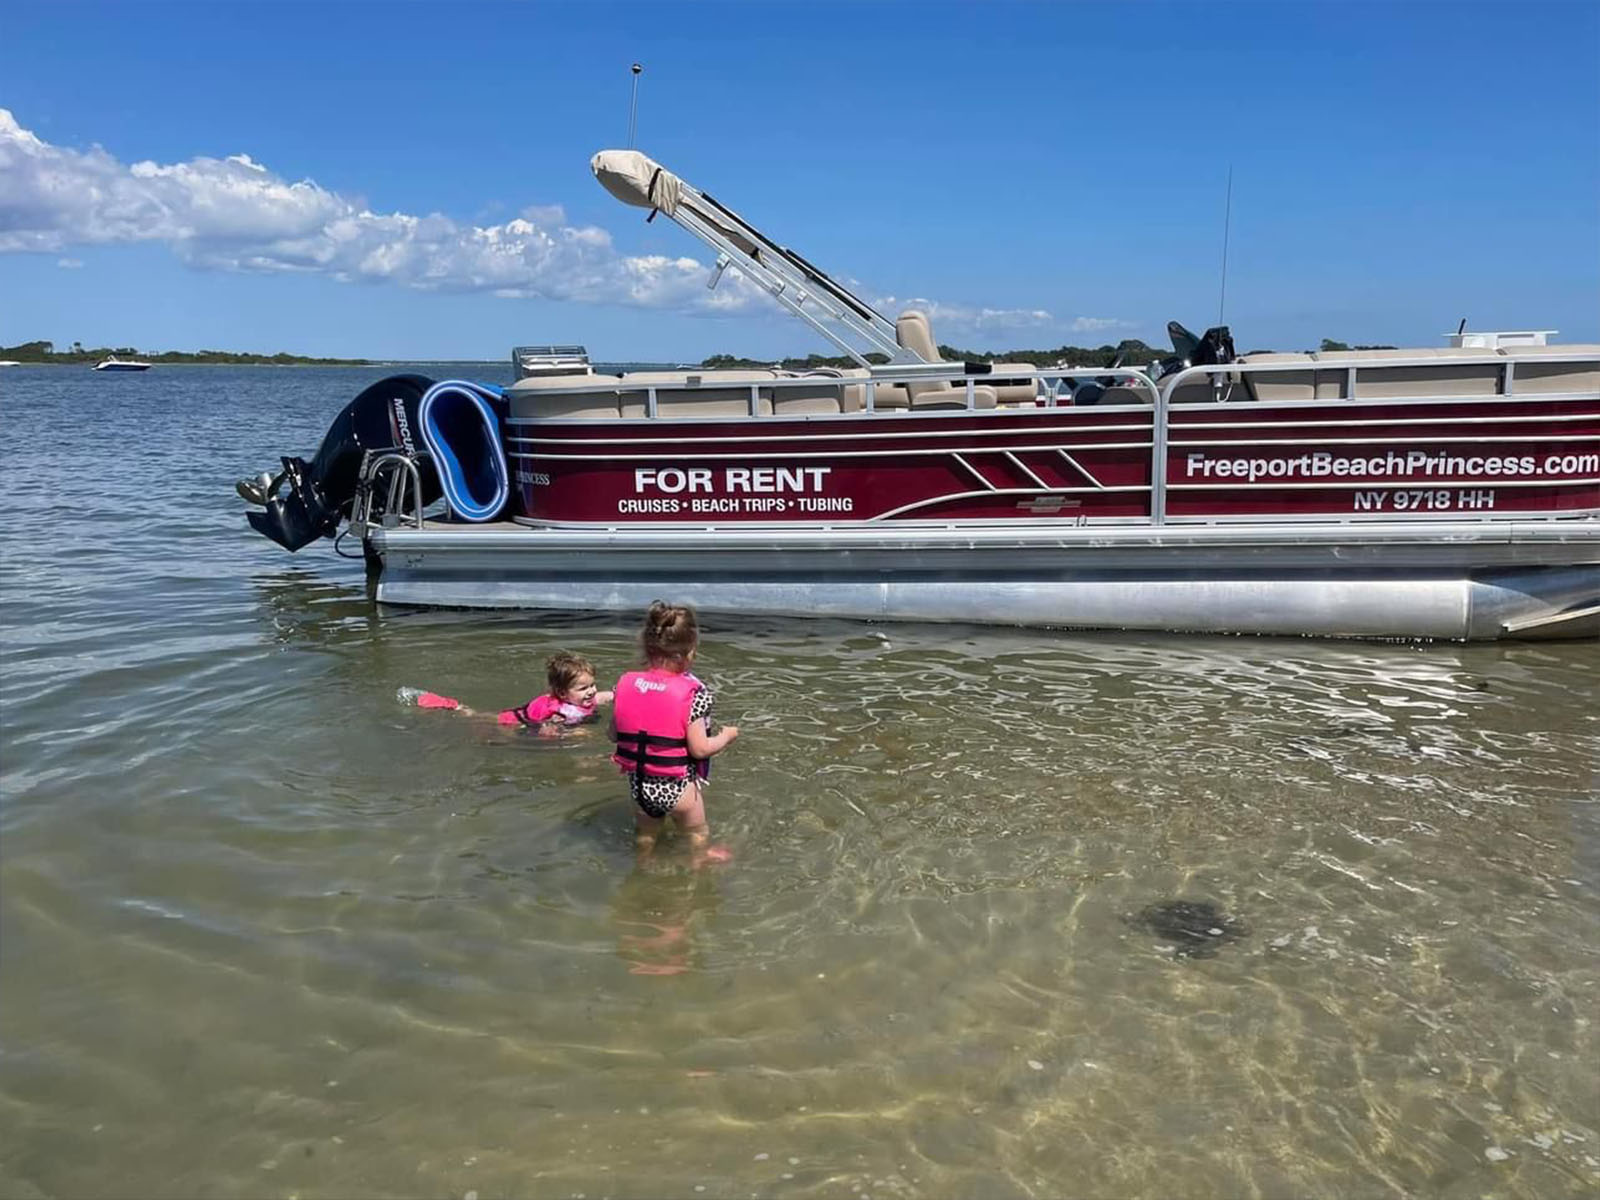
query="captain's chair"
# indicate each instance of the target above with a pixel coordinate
(914, 333)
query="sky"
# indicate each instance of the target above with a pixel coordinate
(411, 180)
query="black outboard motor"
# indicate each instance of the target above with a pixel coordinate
(1215, 348)
(320, 492)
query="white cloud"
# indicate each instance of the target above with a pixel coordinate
(964, 317)
(69, 264)
(1098, 324)
(234, 214)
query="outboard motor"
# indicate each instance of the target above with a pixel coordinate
(320, 492)
(1215, 348)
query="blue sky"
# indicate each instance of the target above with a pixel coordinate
(412, 181)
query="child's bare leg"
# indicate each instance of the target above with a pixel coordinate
(646, 829)
(690, 815)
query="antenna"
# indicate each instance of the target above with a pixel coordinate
(1227, 218)
(633, 105)
(1461, 328)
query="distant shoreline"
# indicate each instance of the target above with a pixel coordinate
(44, 354)
(244, 362)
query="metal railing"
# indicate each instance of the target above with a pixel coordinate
(404, 485)
(404, 472)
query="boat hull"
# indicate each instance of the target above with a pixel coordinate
(1438, 580)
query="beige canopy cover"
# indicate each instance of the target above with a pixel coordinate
(637, 179)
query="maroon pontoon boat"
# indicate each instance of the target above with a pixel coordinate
(1449, 492)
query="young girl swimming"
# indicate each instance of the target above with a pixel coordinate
(662, 720)
(571, 700)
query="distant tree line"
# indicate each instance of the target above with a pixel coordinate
(46, 352)
(1330, 346)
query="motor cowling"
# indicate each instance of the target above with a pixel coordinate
(310, 499)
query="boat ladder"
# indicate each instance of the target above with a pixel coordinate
(388, 491)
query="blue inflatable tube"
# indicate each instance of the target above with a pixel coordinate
(461, 425)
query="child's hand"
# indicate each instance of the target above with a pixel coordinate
(604, 697)
(730, 733)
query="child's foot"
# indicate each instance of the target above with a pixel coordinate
(716, 854)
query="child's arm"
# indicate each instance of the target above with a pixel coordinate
(704, 745)
(426, 699)
(603, 698)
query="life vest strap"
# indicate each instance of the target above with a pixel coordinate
(651, 739)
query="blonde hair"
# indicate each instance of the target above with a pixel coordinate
(670, 633)
(563, 669)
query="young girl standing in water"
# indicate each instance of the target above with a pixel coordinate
(663, 720)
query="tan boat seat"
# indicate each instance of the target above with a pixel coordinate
(1200, 390)
(1284, 384)
(1431, 379)
(954, 396)
(887, 396)
(1535, 378)
(552, 396)
(824, 392)
(1019, 392)
(913, 332)
(681, 394)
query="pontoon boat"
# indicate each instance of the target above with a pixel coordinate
(1449, 492)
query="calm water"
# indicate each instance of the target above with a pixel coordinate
(265, 933)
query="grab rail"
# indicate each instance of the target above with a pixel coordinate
(1046, 379)
(394, 506)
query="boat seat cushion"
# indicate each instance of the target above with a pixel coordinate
(1018, 391)
(911, 330)
(1535, 378)
(947, 395)
(817, 393)
(697, 393)
(1280, 383)
(554, 396)
(1375, 380)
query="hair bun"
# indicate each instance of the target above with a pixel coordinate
(670, 631)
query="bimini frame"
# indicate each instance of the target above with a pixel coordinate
(809, 293)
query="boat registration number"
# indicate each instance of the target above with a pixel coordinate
(1425, 500)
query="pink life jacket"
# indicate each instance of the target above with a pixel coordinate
(546, 708)
(652, 719)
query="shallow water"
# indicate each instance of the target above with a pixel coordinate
(264, 932)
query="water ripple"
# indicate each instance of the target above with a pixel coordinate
(265, 930)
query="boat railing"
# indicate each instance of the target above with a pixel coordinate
(1478, 377)
(1348, 371)
(404, 484)
(954, 377)
(1493, 373)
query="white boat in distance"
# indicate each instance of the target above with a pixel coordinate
(1441, 492)
(112, 363)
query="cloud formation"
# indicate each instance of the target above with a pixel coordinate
(233, 214)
